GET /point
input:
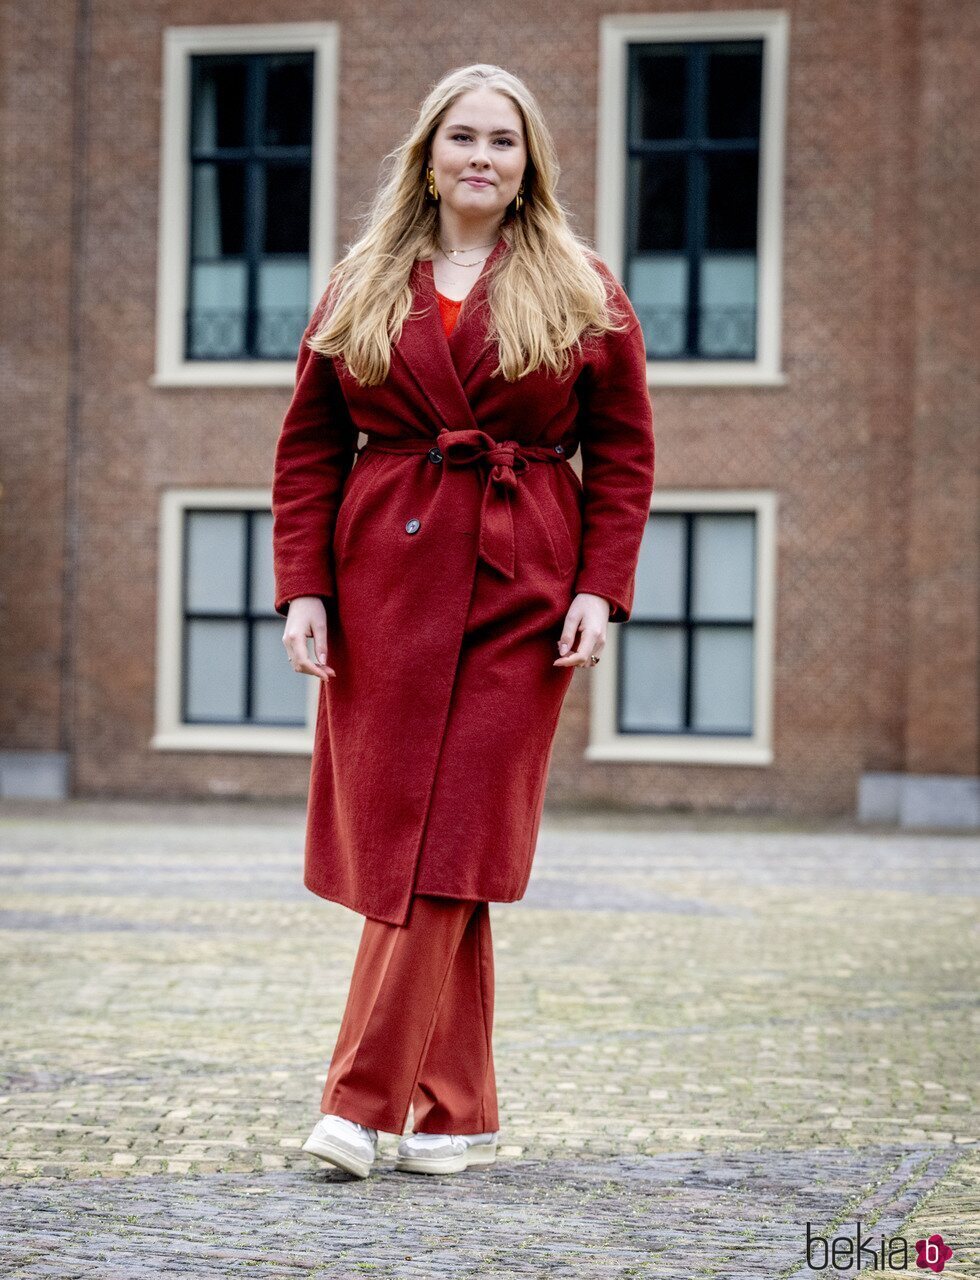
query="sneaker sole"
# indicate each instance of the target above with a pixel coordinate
(337, 1155)
(483, 1153)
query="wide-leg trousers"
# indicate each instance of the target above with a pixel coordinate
(418, 1024)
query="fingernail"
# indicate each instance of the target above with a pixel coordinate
(323, 657)
(562, 647)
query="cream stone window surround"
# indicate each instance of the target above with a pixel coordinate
(170, 733)
(179, 45)
(617, 32)
(606, 744)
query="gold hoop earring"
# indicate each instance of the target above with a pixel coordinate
(430, 181)
(517, 199)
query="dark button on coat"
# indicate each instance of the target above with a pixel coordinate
(446, 583)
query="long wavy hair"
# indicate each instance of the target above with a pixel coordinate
(544, 294)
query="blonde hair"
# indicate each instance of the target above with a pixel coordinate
(544, 294)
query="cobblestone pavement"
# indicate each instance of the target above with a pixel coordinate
(708, 1034)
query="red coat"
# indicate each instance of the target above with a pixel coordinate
(446, 573)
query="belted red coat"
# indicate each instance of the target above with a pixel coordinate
(447, 555)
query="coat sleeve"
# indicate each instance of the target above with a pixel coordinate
(617, 442)
(313, 456)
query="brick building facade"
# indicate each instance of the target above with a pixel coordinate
(787, 194)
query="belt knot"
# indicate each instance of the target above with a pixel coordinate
(473, 446)
(504, 462)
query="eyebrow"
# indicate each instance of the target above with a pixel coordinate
(470, 129)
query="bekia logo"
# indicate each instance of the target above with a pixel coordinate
(844, 1253)
(933, 1254)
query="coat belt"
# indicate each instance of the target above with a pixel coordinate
(503, 461)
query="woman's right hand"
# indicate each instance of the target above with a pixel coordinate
(307, 617)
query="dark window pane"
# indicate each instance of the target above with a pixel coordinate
(654, 664)
(219, 210)
(287, 205)
(721, 679)
(660, 207)
(219, 105)
(733, 201)
(216, 321)
(288, 102)
(262, 586)
(661, 573)
(659, 102)
(283, 288)
(216, 654)
(723, 568)
(277, 697)
(727, 316)
(214, 561)
(734, 91)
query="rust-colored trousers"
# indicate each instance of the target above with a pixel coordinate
(418, 1024)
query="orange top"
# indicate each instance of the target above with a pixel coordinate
(449, 310)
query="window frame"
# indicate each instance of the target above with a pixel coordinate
(607, 743)
(171, 733)
(617, 33)
(180, 44)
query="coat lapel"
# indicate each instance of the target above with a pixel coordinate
(441, 367)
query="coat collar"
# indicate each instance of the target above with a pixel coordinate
(440, 366)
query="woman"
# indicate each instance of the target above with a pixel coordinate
(454, 576)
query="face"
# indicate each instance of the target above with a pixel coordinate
(479, 154)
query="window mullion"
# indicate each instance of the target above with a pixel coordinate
(688, 620)
(696, 220)
(184, 620)
(248, 616)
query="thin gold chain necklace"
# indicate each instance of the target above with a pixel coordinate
(445, 253)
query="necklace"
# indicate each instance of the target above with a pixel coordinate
(446, 254)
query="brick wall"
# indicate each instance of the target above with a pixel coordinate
(870, 445)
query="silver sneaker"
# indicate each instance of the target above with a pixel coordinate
(445, 1152)
(345, 1143)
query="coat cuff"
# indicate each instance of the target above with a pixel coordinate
(620, 606)
(320, 589)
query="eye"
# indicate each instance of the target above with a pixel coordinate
(466, 137)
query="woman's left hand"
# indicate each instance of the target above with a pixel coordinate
(591, 614)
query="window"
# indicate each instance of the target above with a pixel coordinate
(234, 667)
(689, 674)
(692, 196)
(250, 157)
(686, 659)
(224, 681)
(246, 211)
(690, 181)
